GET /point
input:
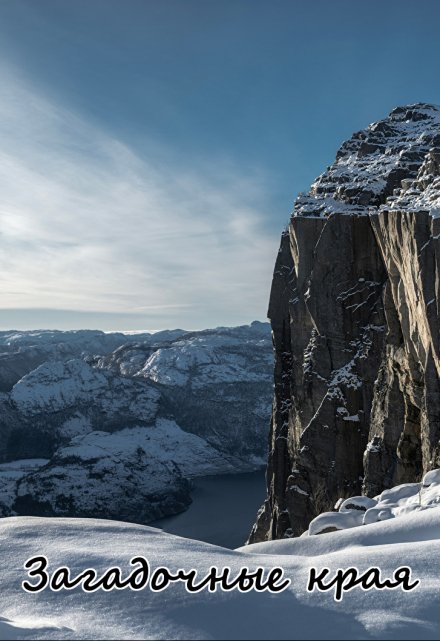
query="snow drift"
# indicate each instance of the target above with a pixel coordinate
(411, 539)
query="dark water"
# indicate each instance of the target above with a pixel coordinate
(223, 509)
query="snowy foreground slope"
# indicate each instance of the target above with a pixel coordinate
(174, 613)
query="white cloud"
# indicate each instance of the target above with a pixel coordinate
(89, 225)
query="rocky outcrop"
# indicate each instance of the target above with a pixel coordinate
(355, 321)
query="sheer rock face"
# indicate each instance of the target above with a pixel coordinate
(355, 321)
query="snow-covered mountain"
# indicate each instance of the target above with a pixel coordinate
(23, 351)
(215, 382)
(116, 424)
(411, 540)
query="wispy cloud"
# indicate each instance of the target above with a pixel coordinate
(87, 224)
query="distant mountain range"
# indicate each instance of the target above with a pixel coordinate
(114, 425)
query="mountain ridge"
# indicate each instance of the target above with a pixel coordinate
(91, 426)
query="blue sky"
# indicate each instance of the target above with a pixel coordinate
(151, 152)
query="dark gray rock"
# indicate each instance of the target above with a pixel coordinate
(354, 313)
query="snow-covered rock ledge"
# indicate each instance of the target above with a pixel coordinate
(397, 501)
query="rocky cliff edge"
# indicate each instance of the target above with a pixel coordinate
(354, 309)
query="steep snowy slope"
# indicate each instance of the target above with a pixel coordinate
(60, 386)
(61, 399)
(412, 540)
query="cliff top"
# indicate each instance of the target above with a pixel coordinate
(394, 163)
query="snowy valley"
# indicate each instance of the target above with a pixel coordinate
(116, 425)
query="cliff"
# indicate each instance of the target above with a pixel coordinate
(354, 309)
